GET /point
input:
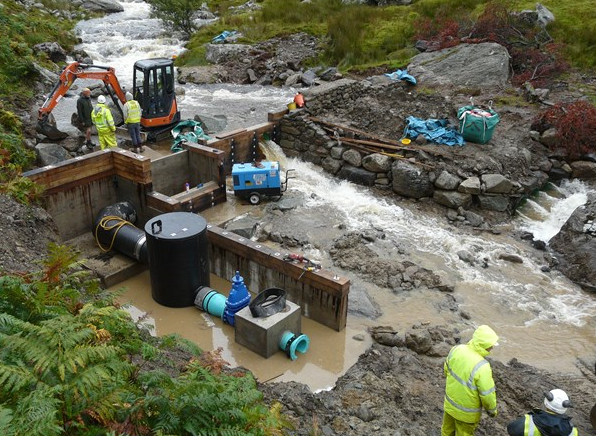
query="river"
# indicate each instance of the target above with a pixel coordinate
(543, 319)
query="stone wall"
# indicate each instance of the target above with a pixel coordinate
(492, 177)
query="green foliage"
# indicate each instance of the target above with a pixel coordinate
(178, 15)
(60, 374)
(20, 30)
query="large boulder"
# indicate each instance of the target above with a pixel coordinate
(54, 51)
(107, 6)
(49, 154)
(219, 53)
(466, 65)
(410, 181)
(575, 245)
(202, 75)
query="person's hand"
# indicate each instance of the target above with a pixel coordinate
(492, 414)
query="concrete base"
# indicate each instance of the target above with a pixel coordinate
(262, 335)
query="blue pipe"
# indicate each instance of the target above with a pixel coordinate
(210, 301)
(290, 343)
(238, 299)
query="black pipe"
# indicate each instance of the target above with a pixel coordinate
(114, 229)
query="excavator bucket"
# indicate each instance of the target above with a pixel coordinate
(47, 126)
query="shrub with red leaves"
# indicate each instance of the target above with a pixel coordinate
(439, 33)
(575, 124)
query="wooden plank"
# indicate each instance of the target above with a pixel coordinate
(79, 182)
(72, 170)
(230, 133)
(162, 202)
(205, 150)
(326, 280)
(131, 166)
(195, 192)
(276, 116)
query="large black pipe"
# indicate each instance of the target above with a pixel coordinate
(114, 229)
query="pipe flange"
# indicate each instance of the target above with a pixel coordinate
(268, 302)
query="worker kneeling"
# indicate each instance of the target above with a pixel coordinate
(550, 422)
(104, 123)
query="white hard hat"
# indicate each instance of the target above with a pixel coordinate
(101, 99)
(557, 401)
(128, 96)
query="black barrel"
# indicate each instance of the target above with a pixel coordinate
(178, 257)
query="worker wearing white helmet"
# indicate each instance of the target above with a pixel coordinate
(104, 122)
(550, 422)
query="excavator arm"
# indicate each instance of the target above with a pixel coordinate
(68, 76)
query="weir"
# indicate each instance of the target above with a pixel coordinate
(76, 190)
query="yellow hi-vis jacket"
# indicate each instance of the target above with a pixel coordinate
(469, 383)
(133, 113)
(102, 118)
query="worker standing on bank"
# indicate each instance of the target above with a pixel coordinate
(84, 109)
(104, 123)
(550, 422)
(132, 118)
(469, 385)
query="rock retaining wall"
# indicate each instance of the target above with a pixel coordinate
(492, 177)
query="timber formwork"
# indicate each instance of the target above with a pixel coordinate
(76, 190)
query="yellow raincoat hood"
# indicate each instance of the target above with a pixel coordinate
(484, 337)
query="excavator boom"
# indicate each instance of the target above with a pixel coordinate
(153, 88)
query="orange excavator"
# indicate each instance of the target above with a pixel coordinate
(153, 88)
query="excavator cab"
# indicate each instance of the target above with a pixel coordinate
(153, 88)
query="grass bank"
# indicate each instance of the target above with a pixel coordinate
(360, 36)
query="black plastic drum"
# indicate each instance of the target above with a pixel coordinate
(178, 257)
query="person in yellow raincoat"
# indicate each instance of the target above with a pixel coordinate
(104, 123)
(469, 385)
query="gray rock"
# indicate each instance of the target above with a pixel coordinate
(497, 203)
(49, 154)
(309, 77)
(337, 152)
(470, 186)
(54, 51)
(292, 80)
(549, 137)
(545, 17)
(108, 6)
(465, 65)
(212, 124)
(377, 163)
(497, 184)
(447, 181)
(331, 165)
(474, 219)
(330, 74)
(409, 180)
(361, 304)
(509, 257)
(202, 75)
(218, 53)
(466, 256)
(419, 341)
(353, 157)
(582, 169)
(252, 77)
(359, 176)
(452, 199)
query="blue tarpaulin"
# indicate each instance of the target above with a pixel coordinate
(223, 36)
(401, 75)
(189, 131)
(433, 130)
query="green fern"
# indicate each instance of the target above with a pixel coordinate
(60, 374)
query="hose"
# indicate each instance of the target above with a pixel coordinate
(103, 224)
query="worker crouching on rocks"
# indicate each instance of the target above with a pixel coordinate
(104, 123)
(550, 422)
(469, 385)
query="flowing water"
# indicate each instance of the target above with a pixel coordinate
(542, 318)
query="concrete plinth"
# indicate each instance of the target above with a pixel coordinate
(262, 335)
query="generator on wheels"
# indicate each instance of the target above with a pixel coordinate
(256, 180)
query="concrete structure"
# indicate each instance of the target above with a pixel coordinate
(262, 335)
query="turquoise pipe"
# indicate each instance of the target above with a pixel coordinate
(210, 301)
(290, 343)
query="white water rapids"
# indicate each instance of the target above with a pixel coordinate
(543, 319)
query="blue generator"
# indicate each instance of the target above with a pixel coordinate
(256, 180)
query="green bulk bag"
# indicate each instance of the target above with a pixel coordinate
(476, 124)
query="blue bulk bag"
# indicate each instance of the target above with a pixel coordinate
(476, 124)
